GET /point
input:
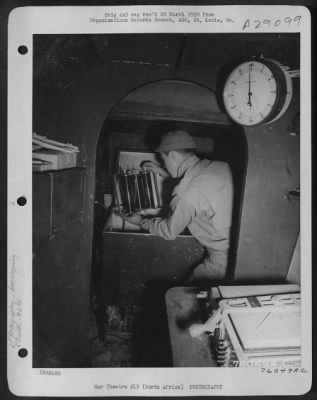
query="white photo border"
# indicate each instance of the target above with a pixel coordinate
(22, 378)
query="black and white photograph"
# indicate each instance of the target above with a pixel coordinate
(168, 202)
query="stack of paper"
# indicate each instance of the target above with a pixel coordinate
(268, 330)
(52, 155)
(256, 290)
(40, 165)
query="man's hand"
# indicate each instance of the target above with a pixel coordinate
(133, 218)
(151, 166)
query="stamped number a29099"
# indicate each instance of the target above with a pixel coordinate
(272, 23)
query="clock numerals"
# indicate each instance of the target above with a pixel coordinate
(251, 92)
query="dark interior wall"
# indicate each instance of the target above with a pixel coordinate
(74, 112)
(71, 103)
(60, 299)
(270, 216)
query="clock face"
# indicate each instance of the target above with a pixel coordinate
(250, 93)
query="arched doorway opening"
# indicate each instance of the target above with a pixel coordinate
(132, 268)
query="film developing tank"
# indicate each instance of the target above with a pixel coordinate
(136, 190)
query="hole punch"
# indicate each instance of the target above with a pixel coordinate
(23, 49)
(22, 201)
(22, 353)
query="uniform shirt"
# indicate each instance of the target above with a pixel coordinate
(202, 201)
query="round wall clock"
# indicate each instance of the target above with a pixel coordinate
(257, 91)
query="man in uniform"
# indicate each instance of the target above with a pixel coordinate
(202, 202)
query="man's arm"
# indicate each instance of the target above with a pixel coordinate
(181, 215)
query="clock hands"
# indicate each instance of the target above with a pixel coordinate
(249, 92)
(256, 92)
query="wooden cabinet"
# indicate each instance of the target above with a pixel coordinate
(57, 200)
(61, 277)
(134, 262)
